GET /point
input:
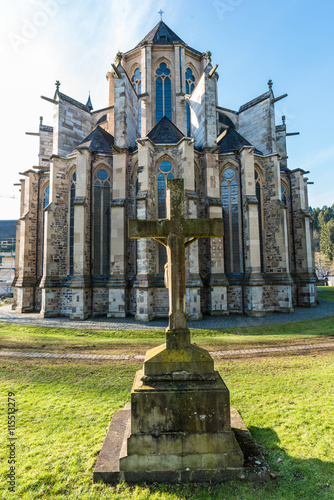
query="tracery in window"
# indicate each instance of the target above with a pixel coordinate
(231, 216)
(165, 171)
(258, 192)
(136, 82)
(101, 221)
(190, 85)
(163, 93)
(45, 204)
(71, 235)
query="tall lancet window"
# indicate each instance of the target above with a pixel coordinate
(284, 195)
(136, 82)
(71, 238)
(101, 220)
(163, 93)
(258, 192)
(232, 226)
(190, 85)
(165, 171)
(45, 204)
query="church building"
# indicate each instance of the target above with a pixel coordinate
(99, 168)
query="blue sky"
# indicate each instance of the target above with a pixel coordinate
(75, 41)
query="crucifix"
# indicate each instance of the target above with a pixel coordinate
(176, 233)
(161, 12)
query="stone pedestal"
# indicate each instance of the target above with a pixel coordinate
(180, 421)
(179, 424)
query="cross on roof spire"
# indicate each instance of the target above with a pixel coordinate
(57, 84)
(161, 12)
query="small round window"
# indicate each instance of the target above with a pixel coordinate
(102, 175)
(165, 166)
(229, 173)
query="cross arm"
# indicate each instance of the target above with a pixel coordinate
(203, 228)
(158, 228)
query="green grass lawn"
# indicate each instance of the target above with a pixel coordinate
(326, 292)
(65, 406)
(26, 338)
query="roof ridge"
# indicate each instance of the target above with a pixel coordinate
(234, 141)
(153, 35)
(254, 101)
(162, 126)
(73, 101)
(94, 141)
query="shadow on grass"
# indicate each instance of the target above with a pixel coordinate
(291, 478)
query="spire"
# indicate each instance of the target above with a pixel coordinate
(161, 34)
(89, 103)
(57, 84)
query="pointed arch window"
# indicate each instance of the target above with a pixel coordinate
(45, 204)
(71, 235)
(284, 194)
(231, 215)
(101, 221)
(136, 82)
(163, 93)
(190, 85)
(165, 171)
(258, 192)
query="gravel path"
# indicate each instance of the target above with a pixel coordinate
(141, 357)
(325, 309)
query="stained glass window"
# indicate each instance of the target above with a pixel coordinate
(231, 216)
(165, 171)
(136, 82)
(190, 85)
(163, 93)
(284, 195)
(101, 221)
(45, 204)
(71, 239)
(258, 192)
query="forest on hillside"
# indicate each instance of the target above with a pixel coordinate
(323, 231)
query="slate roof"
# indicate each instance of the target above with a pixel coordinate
(165, 132)
(46, 128)
(162, 34)
(233, 141)
(72, 101)
(102, 119)
(222, 118)
(99, 140)
(255, 101)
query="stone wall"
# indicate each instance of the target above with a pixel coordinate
(203, 103)
(72, 125)
(257, 124)
(45, 145)
(126, 111)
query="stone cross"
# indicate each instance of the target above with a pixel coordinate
(176, 233)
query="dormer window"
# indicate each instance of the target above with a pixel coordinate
(163, 38)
